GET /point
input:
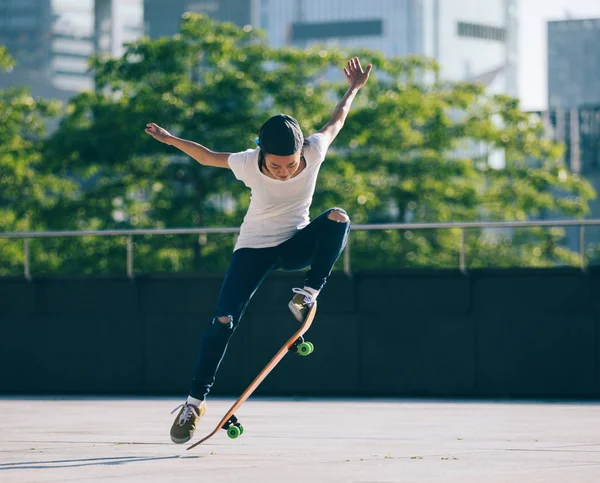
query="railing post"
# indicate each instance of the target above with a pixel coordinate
(130, 257)
(27, 265)
(462, 251)
(582, 247)
(347, 256)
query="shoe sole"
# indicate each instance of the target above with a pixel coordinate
(295, 312)
(180, 441)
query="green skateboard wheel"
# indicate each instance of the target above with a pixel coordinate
(305, 348)
(233, 432)
(241, 429)
(312, 347)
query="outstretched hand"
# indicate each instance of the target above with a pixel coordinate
(356, 76)
(158, 133)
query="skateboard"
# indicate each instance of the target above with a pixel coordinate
(296, 344)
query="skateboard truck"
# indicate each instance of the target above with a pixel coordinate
(301, 347)
(233, 427)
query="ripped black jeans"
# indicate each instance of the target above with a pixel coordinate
(318, 245)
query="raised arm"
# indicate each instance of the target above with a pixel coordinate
(196, 151)
(356, 77)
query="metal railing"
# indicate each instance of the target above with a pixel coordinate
(26, 236)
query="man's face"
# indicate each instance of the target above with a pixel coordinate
(282, 167)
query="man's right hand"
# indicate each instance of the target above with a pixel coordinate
(159, 133)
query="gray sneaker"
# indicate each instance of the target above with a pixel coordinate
(301, 303)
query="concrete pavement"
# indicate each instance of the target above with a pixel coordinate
(301, 440)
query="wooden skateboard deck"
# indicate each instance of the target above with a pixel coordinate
(295, 343)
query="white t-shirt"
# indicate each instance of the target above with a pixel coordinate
(278, 209)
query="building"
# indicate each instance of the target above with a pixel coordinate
(52, 40)
(26, 31)
(474, 40)
(394, 27)
(72, 43)
(82, 28)
(162, 18)
(573, 63)
(579, 130)
(471, 40)
(116, 23)
(573, 115)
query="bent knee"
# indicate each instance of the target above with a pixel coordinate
(225, 321)
(339, 216)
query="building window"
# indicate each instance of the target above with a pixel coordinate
(480, 31)
(324, 30)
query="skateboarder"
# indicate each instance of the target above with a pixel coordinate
(276, 233)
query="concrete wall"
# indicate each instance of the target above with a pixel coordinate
(514, 333)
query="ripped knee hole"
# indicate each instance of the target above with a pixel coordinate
(224, 321)
(338, 216)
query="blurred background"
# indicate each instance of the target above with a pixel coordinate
(476, 112)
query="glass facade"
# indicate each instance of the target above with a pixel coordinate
(573, 63)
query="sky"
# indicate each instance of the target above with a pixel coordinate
(533, 15)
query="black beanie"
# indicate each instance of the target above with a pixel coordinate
(281, 135)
